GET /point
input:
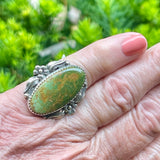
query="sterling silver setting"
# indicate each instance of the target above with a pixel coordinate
(40, 74)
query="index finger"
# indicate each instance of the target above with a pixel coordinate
(98, 59)
(107, 55)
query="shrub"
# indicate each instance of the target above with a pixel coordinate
(87, 32)
(7, 81)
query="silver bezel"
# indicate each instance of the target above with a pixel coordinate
(39, 78)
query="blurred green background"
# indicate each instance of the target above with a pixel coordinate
(38, 31)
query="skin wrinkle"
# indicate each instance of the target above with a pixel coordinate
(14, 147)
(150, 136)
(150, 153)
(100, 113)
(81, 137)
(19, 149)
(113, 141)
(140, 132)
(136, 146)
(96, 146)
(21, 140)
(151, 156)
(136, 119)
(92, 149)
(142, 73)
(107, 150)
(95, 110)
(151, 121)
(8, 123)
(11, 115)
(110, 150)
(154, 151)
(70, 153)
(31, 137)
(82, 120)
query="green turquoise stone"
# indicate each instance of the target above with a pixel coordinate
(57, 90)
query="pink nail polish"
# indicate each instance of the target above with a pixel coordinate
(134, 45)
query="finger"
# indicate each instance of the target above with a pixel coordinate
(109, 54)
(105, 56)
(129, 135)
(119, 92)
(151, 152)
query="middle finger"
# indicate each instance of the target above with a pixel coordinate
(119, 92)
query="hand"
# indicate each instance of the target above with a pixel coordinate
(118, 119)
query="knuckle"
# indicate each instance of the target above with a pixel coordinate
(147, 117)
(120, 93)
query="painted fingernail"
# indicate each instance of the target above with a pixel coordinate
(134, 45)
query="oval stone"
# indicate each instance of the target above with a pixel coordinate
(57, 90)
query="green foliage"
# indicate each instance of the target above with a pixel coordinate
(64, 52)
(93, 10)
(151, 33)
(17, 48)
(150, 14)
(87, 32)
(26, 29)
(7, 81)
(36, 20)
(44, 4)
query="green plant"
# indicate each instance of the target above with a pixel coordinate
(17, 46)
(87, 32)
(7, 81)
(24, 31)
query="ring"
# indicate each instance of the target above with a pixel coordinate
(55, 89)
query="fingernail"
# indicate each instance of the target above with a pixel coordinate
(134, 45)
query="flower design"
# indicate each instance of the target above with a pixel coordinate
(40, 71)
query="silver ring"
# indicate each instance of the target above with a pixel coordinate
(55, 89)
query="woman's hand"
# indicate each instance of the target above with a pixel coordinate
(118, 119)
